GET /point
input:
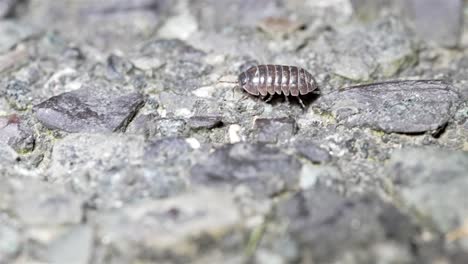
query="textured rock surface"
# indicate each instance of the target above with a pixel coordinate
(328, 224)
(7, 7)
(404, 107)
(15, 132)
(123, 138)
(88, 110)
(187, 226)
(274, 130)
(312, 152)
(436, 21)
(266, 170)
(418, 173)
(13, 33)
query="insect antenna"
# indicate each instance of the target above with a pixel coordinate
(227, 82)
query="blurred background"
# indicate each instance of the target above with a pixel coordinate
(123, 23)
(358, 40)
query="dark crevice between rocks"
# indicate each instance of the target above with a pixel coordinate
(440, 131)
(87, 207)
(123, 126)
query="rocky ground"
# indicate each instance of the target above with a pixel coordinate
(119, 145)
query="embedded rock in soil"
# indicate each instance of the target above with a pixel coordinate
(75, 245)
(433, 181)
(174, 230)
(173, 151)
(120, 24)
(153, 126)
(117, 169)
(94, 152)
(265, 169)
(399, 106)
(38, 203)
(329, 226)
(10, 241)
(312, 152)
(181, 67)
(7, 7)
(88, 110)
(8, 156)
(387, 45)
(18, 94)
(15, 133)
(211, 14)
(274, 130)
(13, 33)
(207, 122)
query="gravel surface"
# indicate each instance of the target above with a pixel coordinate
(123, 140)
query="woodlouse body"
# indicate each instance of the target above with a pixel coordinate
(277, 79)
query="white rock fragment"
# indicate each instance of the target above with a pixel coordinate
(183, 112)
(205, 92)
(193, 142)
(180, 26)
(234, 134)
(147, 63)
(308, 177)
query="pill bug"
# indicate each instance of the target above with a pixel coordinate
(263, 80)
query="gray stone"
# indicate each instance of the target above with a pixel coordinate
(170, 49)
(118, 23)
(153, 126)
(312, 152)
(328, 225)
(433, 181)
(14, 59)
(16, 133)
(183, 65)
(118, 67)
(114, 169)
(312, 175)
(7, 7)
(370, 9)
(168, 151)
(88, 110)
(10, 242)
(97, 152)
(211, 15)
(13, 33)
(353, 67)
(437, 21)
(274, 130)
(265, 169)
(42, 204)
(359, 54)
(8, 155)
(129, 185)
(144, 125)
(75, 246)
(169, 127)
(188, 105)
(174, 230)
(201, 122)
(399, 106)
(18, 94)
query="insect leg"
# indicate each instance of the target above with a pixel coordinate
(286, 98)
(300, 101)
(233, 89)
(269, 98)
